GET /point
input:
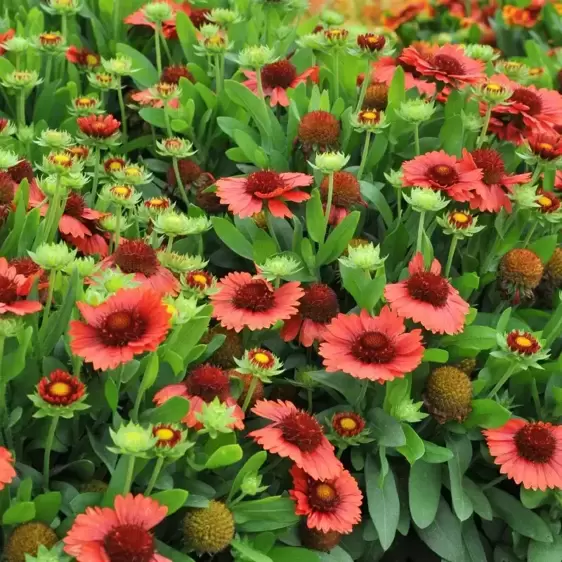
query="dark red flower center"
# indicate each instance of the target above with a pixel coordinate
(535, 442)
(22, 170)
(24, 266)
(371, 42)
(346, 190)
(8, 290)
(6, 188)
(122, 327)
(491, 163)
(302, 430)
(129, 543)
(319, 303)
(172, 74)
(319, 128)
(373, 347)
(323, 497)
(448, 65)
(114, 165)
(264, 182)
(280, 74)
(198, 16)
(74, 205)
(208, 382)
(135, 256)
(429, 287)
(529, 98)
(256, 296)
(443, 175)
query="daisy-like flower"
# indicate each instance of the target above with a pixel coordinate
(119, 533)
(346, 194)
(246, 196)
(441, 172)
(199, 283)
(394, 19)
(318, 306)
(245, 301)
(83, 57)
(7, 472)
(150, 97)
(172, 74)
(369, 347)
(204, 384)
(128, 323)
(98, 126)
(428, 298)
(329, 505)
(447, 64)
(297, 435)
(523, 349)
(277, 78)
(12, 287)
(490, 192)
(545, 146)
(530, 453)
(385, 67)
(59, 394)
(140, 259)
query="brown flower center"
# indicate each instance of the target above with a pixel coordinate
(319, 303)
(428, 287)
(529, 98)
(303, 431)
(443, 175)
(8, 290)
(535, 442)
(255, 296)
(280, 74)
(129, 543)
(448, 65)
(135, 256)
(208, 382)
(122, 327)
(373, 347)
(74, 205)
(323, 497)
(264, 182)
(491, 163)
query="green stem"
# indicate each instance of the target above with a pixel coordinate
(129, 477)
(18, 61)
(259, 84)
(420, 232)
(417, 138)
(64, 26)
(502, 380)
(49, 301)
(309, 399)
(364, 86)
(536, 173)
(452, 249)
(530, 234)
(218, 74)
(123, 114)
(117, 234)
(399, 201)
(166, 48)
(482, 135)
(536, 399)
(154, 477)
(362, 394)
(250, 393)
(170, 243)
(181, 187)
(158, 50)
(48, 70)
(364, 155)
(493, 482)
(329, 202)
(269, 219)
(97, 165)
(116, 18)
(47, 454)
(336, 57)
(21, 109)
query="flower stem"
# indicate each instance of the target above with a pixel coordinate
(530, 234)
(49, 301)
(170, 243)
(364, 86)
(329, 202)
(259, 84)
(48, 69)
(154, 477)
(420, 232)
(179, 182)
(97, 165)
(336, 74)
(399, 202)
(3, 386)
(482, 135)
(502, 380)
(364, 155)
(218, 74)
(117, 233)
(158, 50)
(166, 48)
(250, 393)
(417, 138)
(47, 454)
(452, 249)
(123, 114)
(362, 394)
(309, 399)
(269, 219)
(129, 477)
(21, 109)
(536, 173)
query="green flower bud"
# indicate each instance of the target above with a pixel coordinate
(224, 17)
(8, 159)
(525, 196)
(121, 195)
(336, 38)
(133, 174)
(209, 30)
(86, 266)
(394, 178)
(256, 56)
(492, 93)
(216, 418)
(472, 121)
(314, 41)
(16, 45)
(113, 280)
(104, 81)
(422, 200)
(460, 224)
(54, 139)
(280, 267)
(55, 256)
(181, 263)
(485, 53)
(416, 111)
(259, 363)
(132, 439)
(330, 17)
(85, 105)
(158, 12)
(62, 7)
(60, 164)
(10, 326)
(365, 256)
(26, 134)
(514, 70)
(175, 147)
(183, 309)
(329, 162)
(251, 484)
(120, 65)
(174, 224)
(443, 38)
(369, 120)
(21, 80)
(44, 554)
(408, 411)
(94, 297)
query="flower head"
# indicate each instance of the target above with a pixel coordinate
(256, 56)
(209, 529)
(199, 283)
(13, 287)
(448, 394)
(296, 434)
(366, 257)
(330, 162)
(522, 348)
(56, 256)
(21, 80)
(132, 439)
(519, 272)
(27, 539)
(319, 130)
(416, 110)
(423, 200)
(259, 363)
(175, 147)
(281, 266)
(461, 224)
(83, 57)
(530, 453)
(59, 394)
(428, 298)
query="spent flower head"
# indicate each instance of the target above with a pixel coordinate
(416, 111)
(259, 363)
(422, 200)
(366, 257)
(56, 255)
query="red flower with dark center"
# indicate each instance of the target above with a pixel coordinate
(491, 163)
(172, 74)
(373, 347)
(82, 57)
(296, 434)
(318, 306)
(256, 296)
(278, 74)
(460, 219)
(199, 279)
(157, 203)
(547, 146)
(60, 388)
(75, 205)
(346, 194)
(7, 189)
(198, 16)
(523, 343)
(396, 18)
(129, 542)
(528, 98)
(319, 129)
(13, 286)
(443, 175)
(78, 152)
(348, 424)
(25, 266)
(428, 298)
(167, 435)
(548, 202)
(98, 126)
(530, 453)
(114, 164)
(371, 42)
(22, 170)
(130, 322)
(385, 67)
(6, 36)
(376, 97)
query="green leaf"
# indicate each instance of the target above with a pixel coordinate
(414, 448)
(267, 514)
(345, 384)
(545, 552)
(233, 238)
(383, 503)
(373, 193)
(224, 456)
(172, 411)
(111, 393)
(443, 535)
(533, 498)
(472, 542)
(544, 247)
(251, 466)
(424, 489)
(153, 116)
(519, 518)
(248, 552)
(246, 99)
(435, 454)
(386, 429)
(162, 548)
(338, 240)
(19, 513)
(473, 337)
(315, 217)
(433, 355)
(187, 35)
(462, 453)
(264, 247)
(452, 132)
(487, 413)
(145, 73)
(47, 506)
(15, 362)
(151, 372)
(292, 554)
(172, 499)
(479, 501)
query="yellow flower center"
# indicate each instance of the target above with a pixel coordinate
(544, 201)
(537, 71)
(121, 191)
(522, 341)
(62, 159)
(64, 2)
(261, 358)
(85, 102)
(60, 389)
(545, 146)
(494, 88)
(216, 40)
(369, 115)
(558, 8)
(132, 172)
(349, 424)
(461, 217)
(164, 434)
(200, 279)
(115, 166)
(171, 309)
(325, 492)
(157, 202)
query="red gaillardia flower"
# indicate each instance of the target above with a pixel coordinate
(329, 505)
(172, 74)
(60, 388)
(276, 78)
(98, 126)
(428, 298)
(247, 196)
(545, 145)
(346, 194)
(318, 306)
(7, 472)
(12, 287)
(30, 270)
(119, 534)
(137, 257)
(243, 300)
(490, 193)
(167, 435)
(443, 172)
(385, 67)
(82, 57)
(297, 435)
(348, 424)
(22, 170)
(198, 16)
(530, 453)
(547, 201)
(447, 64)
(396, 18)
(203, 384)
(369, 347)
(130, 322)
(523, 343)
